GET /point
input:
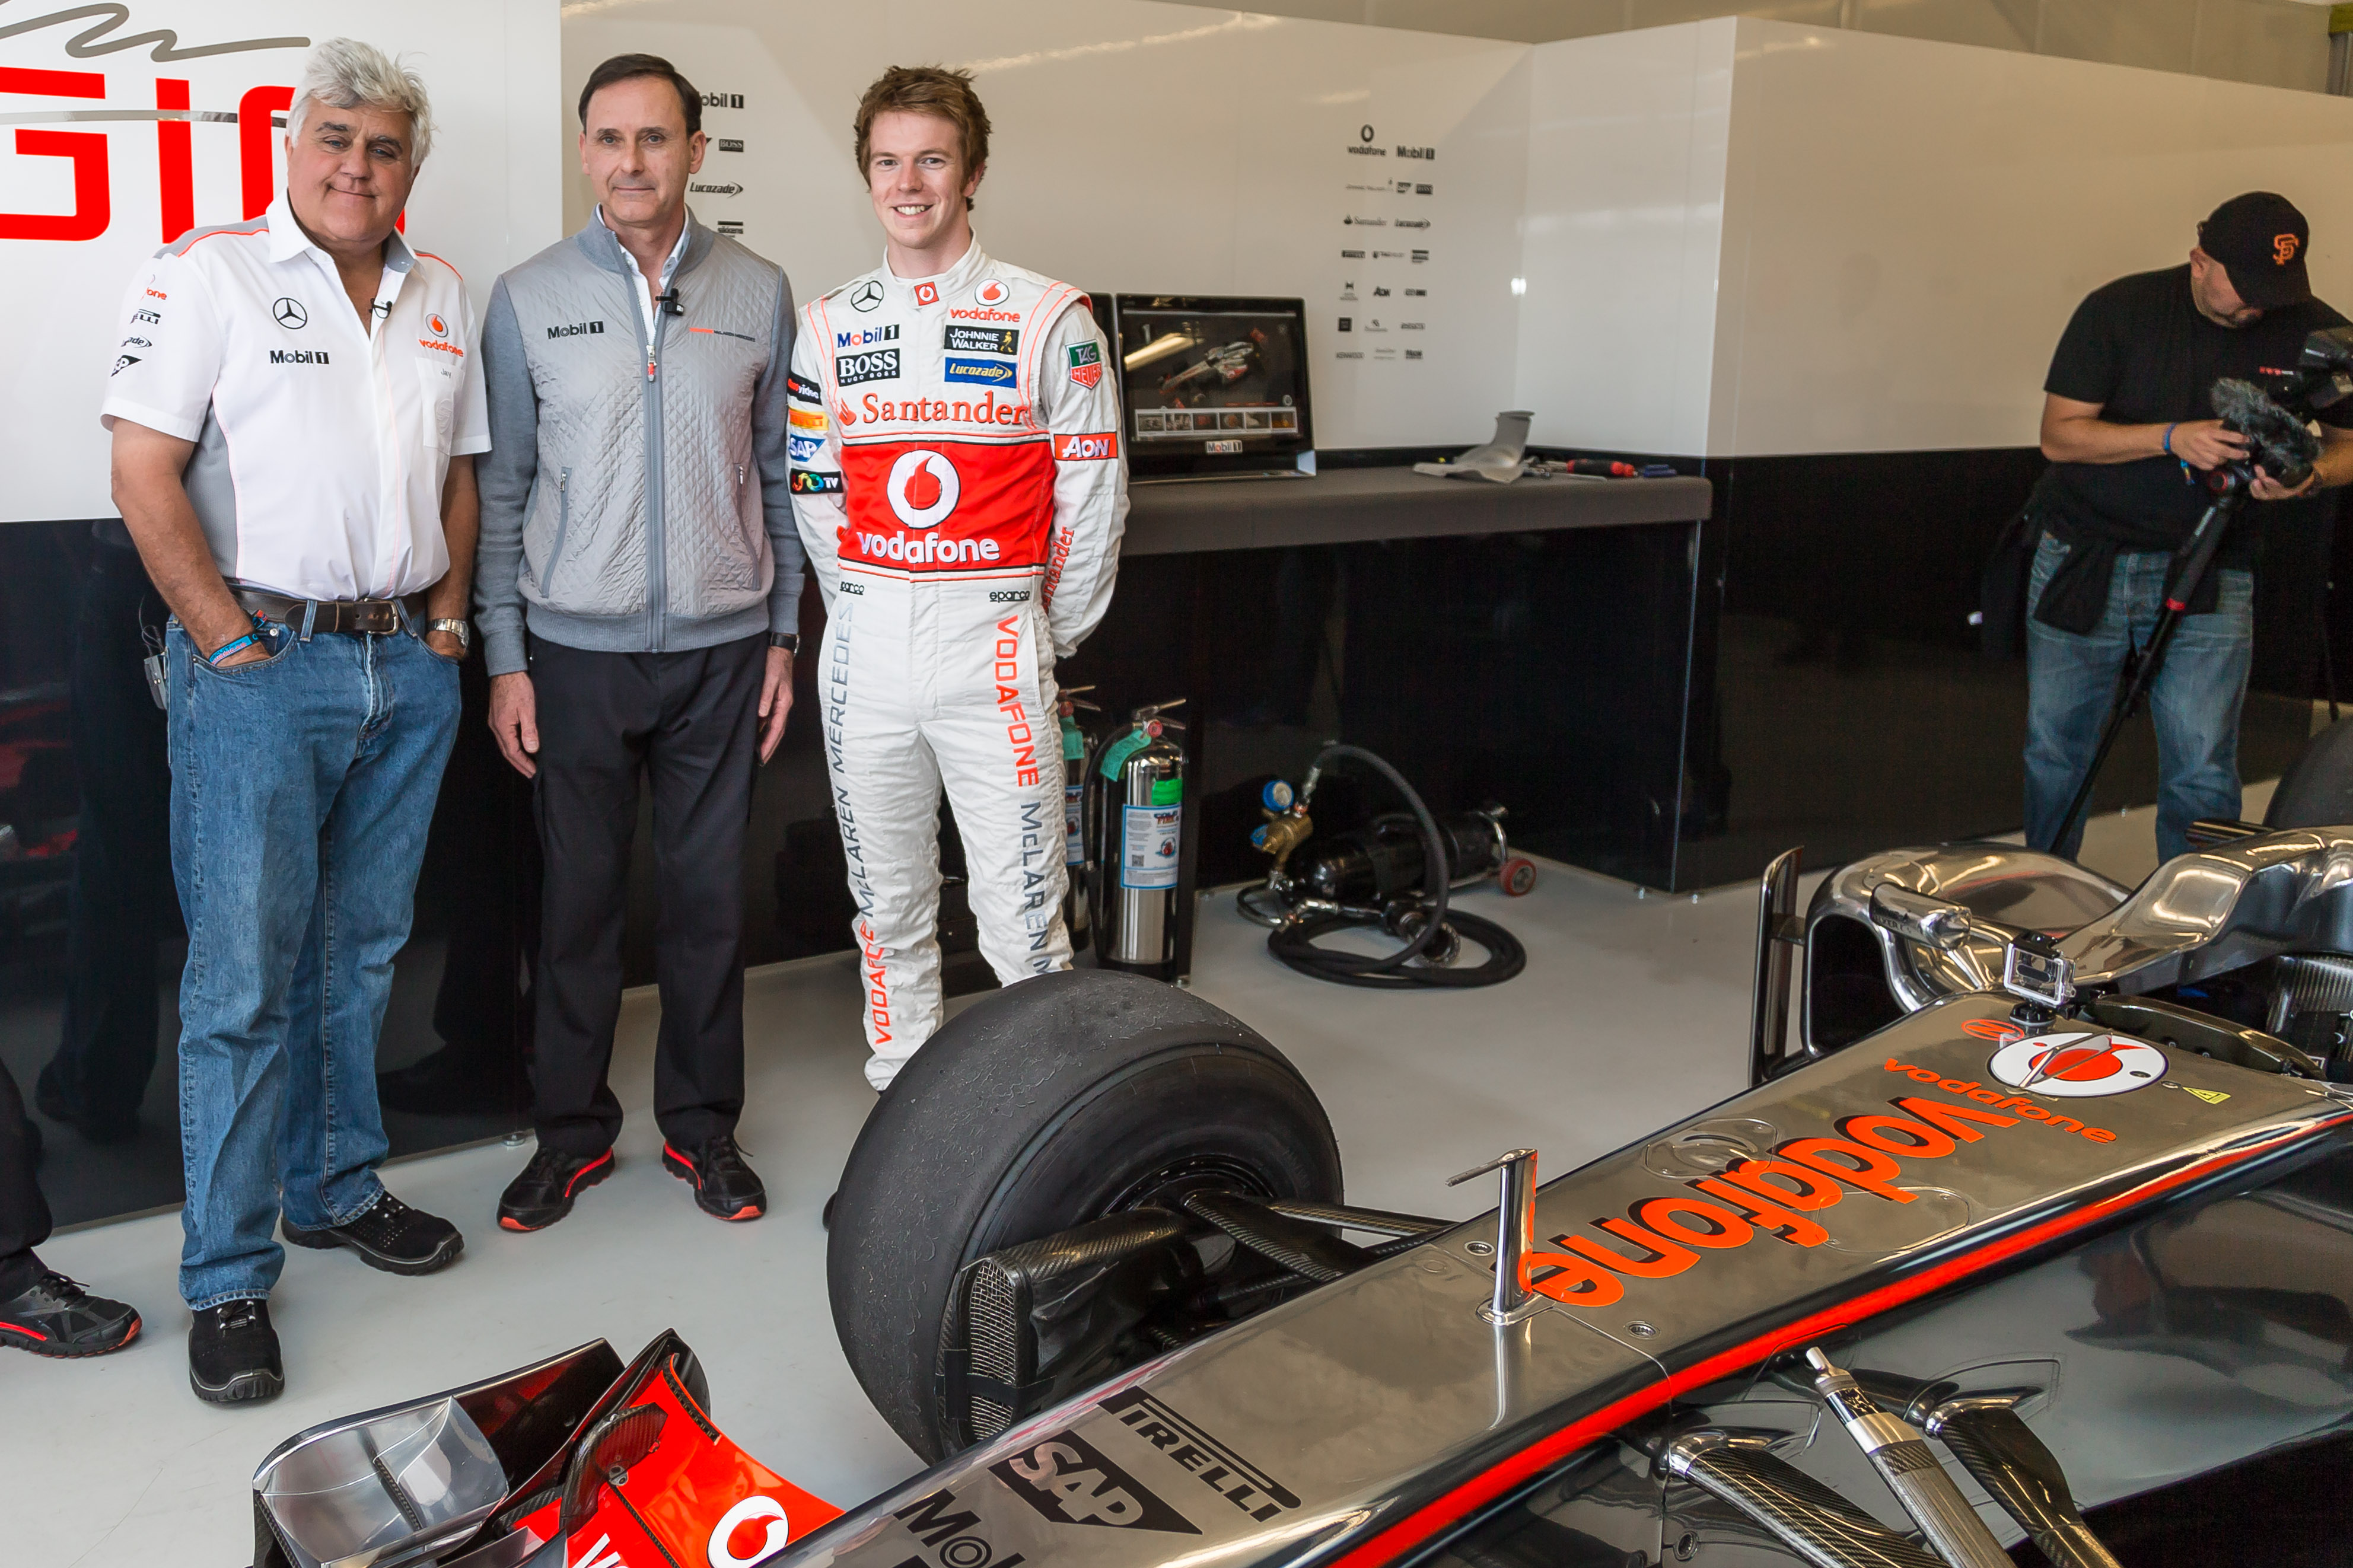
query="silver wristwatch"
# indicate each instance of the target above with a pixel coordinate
(462, 630)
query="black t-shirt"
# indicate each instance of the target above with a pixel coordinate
(2139, 347)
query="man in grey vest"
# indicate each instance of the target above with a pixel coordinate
(638, 594)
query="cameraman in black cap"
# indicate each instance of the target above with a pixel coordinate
(2128, 429)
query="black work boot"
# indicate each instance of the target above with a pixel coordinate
(233, 1353)
(723, 1185)
(544, 1190)
(56, 1317)
(389, 1236)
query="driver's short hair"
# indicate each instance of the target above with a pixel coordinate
(927, 89)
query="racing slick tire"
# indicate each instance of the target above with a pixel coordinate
(2316, 791)
(1041, 1107)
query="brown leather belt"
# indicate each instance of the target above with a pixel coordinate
(377, 615)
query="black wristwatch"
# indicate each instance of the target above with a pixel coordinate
(789, 641)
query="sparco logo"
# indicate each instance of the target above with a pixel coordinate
(577, 329)
(1068, 1481)
(298, 356)
(875, 365)
(1009, 595)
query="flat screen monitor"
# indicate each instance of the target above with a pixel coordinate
(1211, 385)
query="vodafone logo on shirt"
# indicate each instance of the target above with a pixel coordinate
(922, 488)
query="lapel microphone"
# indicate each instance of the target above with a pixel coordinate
(668, 302)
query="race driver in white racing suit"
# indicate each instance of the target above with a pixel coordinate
(958, 482)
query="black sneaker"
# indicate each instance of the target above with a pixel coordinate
(58, 1318)
(233, 1354)
(723, 1185)
(391, 1237)
(544, 1192)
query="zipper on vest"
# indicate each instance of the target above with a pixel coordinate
(563, 527)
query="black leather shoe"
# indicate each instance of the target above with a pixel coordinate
(58, 1318)
(233, 1354)
(545, 1191)
(391, 1237)
(723, 1185)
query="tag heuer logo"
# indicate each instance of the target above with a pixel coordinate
(289, 314)
(866, 296)
(1066, 1479)
(1086, 364)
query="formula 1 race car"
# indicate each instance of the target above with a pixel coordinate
(2042, 1257)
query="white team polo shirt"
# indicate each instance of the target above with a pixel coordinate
(321, 440)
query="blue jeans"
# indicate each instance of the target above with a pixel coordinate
(301, 788)
(2196, 700)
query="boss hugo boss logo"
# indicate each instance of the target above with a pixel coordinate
(875, 365)
(289, 314)
(577, 329)
(1189, 1446)
(1070, 1483)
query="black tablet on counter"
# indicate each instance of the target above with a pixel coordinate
(1211, 386)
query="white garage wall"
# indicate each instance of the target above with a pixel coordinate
(1147, 147)
(488, 196)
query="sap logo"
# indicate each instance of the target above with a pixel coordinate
(577, 329)
(1066, 1480)
(1087, 448)
(981, 339)
(987, 372)
(801, 448)
(816, 482)
(298, 356)
(1009, 595)
(875, 365)
(860, 337)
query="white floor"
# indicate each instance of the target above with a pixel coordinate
(1633, 1012)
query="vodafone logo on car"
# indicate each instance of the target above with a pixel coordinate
(732, 1530)
(2078, 1066)
(922, 488)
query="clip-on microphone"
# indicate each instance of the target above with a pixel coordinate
(668, 302)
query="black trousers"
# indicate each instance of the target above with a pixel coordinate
(123, 900)
(24, 1213)
(690, 724)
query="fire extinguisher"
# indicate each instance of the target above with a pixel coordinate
(1077, 863)
(1139, 837)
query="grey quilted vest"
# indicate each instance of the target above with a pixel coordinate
(635, 496)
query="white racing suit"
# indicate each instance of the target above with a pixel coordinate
(957, 481)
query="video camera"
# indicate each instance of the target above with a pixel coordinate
(2276, 415)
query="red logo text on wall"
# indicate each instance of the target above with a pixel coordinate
(141, 83)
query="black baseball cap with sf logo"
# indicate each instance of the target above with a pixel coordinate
(2259, 239)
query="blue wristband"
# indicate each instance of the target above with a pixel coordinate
(2167, 442)
(228, 647)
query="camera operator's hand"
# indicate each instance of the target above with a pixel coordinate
(2207, 444)
(2266, 488)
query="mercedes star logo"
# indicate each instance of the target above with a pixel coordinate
(289, 312)
(869, 294)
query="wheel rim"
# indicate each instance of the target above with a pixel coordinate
(1167, 1186)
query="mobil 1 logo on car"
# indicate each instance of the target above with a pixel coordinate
(1067, 1479)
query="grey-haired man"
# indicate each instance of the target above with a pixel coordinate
(318, 587)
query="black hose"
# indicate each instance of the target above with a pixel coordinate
(1296, 944)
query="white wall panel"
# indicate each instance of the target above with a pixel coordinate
(1148, 147)
(1623, 225)
(1909, 225)
(487, 197)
